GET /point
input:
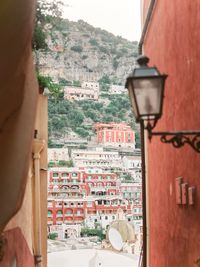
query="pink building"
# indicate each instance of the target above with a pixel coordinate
(115, 134)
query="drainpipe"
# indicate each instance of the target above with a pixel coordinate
(146, 25)
(144, 254)
(143, 261)
(38, 146)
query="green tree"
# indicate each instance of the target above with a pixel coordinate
(93, 42)
(77, 48)
(44, 11)
(81, 131)
(76, 118)
(77, 83)
(105, 79)
(93, 232)
(51, 164)
(53, 236)
(91, 114)
(47, 82)
(137, 140)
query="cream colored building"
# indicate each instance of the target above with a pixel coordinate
(117, 89)
(78, 93)
(91, 85)
(58, 154)
(97, 158)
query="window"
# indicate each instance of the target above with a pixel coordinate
(89, 204)
(106, 217)
(55, 174)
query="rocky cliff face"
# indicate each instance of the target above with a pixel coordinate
(78, 51)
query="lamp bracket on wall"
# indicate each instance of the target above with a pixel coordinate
(177, 139)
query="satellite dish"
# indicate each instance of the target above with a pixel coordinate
(115, 239)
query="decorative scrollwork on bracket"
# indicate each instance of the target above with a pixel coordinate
(180, 139)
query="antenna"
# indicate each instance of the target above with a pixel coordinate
(115, 239)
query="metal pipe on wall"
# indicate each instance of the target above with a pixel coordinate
(38, 146)
(144, 210)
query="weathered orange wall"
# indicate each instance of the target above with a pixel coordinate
(16, 250)
(173, 45)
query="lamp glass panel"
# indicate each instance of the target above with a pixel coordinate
(148, 93)
(132, 99)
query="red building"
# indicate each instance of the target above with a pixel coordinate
(171, 40)
(76, 196)
(115, 134)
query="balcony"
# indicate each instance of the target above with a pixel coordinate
(58, 206)
(69, 215)
(59, 215)
(70, 190)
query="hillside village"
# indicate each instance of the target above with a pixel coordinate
(94, 146)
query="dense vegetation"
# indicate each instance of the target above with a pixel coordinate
(93, 232)
(78, 40)
(79, 116)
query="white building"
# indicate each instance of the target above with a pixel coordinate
(117, 89)
(97, 159)
(133, 165)
(78, 93)
(57, 154)
(90, 85)
(63, 230)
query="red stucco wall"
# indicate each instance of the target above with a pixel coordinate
(16, 249)
(173, 45)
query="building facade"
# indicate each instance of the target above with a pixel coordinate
(97, 158)
(133, 166)
(81, 93)
(115, 135)
(171, 42)
(23, 190)
(117, 89)
(91, 85)
(84, 196)
(58, 154)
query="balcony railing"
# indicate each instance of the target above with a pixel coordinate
(75, 190)
(59, 215)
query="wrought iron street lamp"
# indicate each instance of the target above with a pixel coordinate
(146, 91)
